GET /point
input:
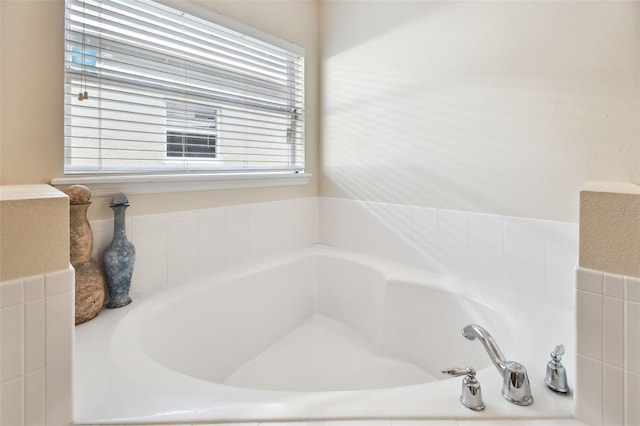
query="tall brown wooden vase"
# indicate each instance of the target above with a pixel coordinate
(90, 282)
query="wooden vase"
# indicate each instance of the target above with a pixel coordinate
(90, 282)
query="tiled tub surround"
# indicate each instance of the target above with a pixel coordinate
(36, 307)
(315, 333)
(533, 258)
(526, 256)
(36, 337)
(608, 348)
(174, 248)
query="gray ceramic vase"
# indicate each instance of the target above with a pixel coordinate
(119, 257)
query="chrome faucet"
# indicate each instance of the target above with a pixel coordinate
(515, 387)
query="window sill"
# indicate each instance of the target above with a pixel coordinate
(131, 184)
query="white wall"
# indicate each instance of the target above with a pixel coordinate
(495, 107)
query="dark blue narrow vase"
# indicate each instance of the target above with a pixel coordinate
(119, 257)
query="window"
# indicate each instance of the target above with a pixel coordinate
(149, 89)
(191, 133)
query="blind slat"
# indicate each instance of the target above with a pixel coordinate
(171, 92)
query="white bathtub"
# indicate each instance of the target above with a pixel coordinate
(316, 334)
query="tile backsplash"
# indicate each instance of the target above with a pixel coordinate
(608, 348)
(533, 257)
(174, 248)
(37, 319)
(527, 256)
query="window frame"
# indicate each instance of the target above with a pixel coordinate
(167, 181)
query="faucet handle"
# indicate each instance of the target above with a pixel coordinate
(556, 377)
(458, 371)
(471, 396)
(557, 353)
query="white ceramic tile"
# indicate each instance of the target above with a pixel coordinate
(312, 207)
(561, 244)
(632, 289)
(236, 252)
(399, 220)
(11, 293)
(260, 230)
(614, 285)
(424, 237)
(589, 280)
(367, 231)
(101, 225)
(589, 323)
(632, 337)
(12, 336)
(149, 273)
(632, 407)
(613, 394)
(487, 270)
(290, 223)
(367, 218)
(453, 228)
(34, 413)
(149, 234)
(307, 221)
(337, 222)
(486, 234)
(34, 339)
(182, 216)
(211, 258)
(103, 235)
(58, 393)
(236, 222)
(33, 288)
(589, 386)
(525, 278)
(453, 243)
(182, 266)
(284, 217)
(12, 402)
(359, 423)
(214, 212)
(424, 423)
(59, 327)
(182, 235)
(59, 281)
(327, 216)
(424, 227)
(524, 240)
(613, 327)
(561, 287)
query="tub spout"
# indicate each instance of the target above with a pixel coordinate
(473, 331)
(516, 388)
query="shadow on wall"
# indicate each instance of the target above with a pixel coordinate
(488, 107)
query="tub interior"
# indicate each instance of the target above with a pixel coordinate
(319, 323)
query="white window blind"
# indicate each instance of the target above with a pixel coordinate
(167, 92)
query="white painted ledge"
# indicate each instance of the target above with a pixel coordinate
(153, 184)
